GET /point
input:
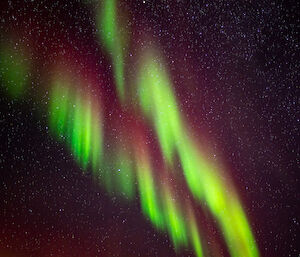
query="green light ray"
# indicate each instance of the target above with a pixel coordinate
(87, 134)
(151, 205)
(237, 231)
(159, 104)
(96, 140)
(59, 104)
(195, 235)
(114, 41)
(206, 186)
(76, 120)
(77, 130)
(175, 221)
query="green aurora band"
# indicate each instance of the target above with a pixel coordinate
(159, 104)
(73, 120)
(157, 101)
(76, 120)
(159, 205)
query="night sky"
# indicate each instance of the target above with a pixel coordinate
(233, 67)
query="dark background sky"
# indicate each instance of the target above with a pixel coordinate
(235, 68)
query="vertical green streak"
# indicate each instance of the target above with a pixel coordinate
(14, 70)
(234, 222)
(87, 135)
(108, 24)
(159, 104)
(151, 205)
(96, 141)
(77, 133)
(73, 120)
(175, 222)
(194, 234)
(193, 173)
(59, 101)
(113, 42)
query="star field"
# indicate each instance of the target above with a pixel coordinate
(234, 68)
